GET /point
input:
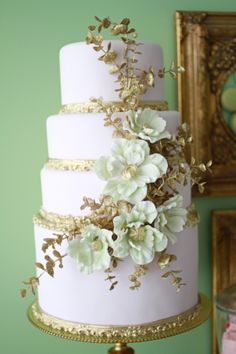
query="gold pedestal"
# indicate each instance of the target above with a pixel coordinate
(121, 335)
(120, 348)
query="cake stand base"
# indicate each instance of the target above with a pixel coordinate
(121, 335)
(120, 348)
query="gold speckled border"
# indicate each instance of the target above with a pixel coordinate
(57, 222)
(119, 334)
(89, 107)
(70, 165)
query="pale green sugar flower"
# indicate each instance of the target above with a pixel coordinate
(134, 237)
(171, 217)
(129, 168)
(91, 249)
(147, 125)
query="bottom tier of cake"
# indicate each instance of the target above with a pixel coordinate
(77, 297)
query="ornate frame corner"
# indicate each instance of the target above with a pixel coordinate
(206, 48)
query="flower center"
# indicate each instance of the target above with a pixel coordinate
(96, 245)
(137, 234)
(129, 172)
(146, 126)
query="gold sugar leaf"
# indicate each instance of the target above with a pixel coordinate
(23, 293)
(176, 281)
(113, 285)
(39, 265)
(97, 49)
(59, 239)
(89, 39)
(49, 259)
(50, 269)
(57, 254)
(106, 22)
(92, 28)
(119, 29)
(114, 69)
(132, 277)
(164, 259)
(125, 21)
(44, 247)
(98, 19)
(166, 275)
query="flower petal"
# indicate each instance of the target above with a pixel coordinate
(143, 252)
(139, 194)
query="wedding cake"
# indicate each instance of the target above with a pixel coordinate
(138, 236)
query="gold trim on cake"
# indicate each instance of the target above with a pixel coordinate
(57, 222)
(114, 334)
(89, 107)
(70, 165)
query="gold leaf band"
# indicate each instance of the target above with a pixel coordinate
(70, 165)
(53, 221)
(120, 334)
(89, 107)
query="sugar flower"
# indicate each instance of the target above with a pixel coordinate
(128, 170)
(147, 125)
(171, 217)
(135, 237)
(91, 249)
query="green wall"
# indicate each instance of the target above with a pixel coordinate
(31, 34)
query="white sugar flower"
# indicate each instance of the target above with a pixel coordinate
(91, 249)
(135, 237)
(129, 168)
(171, 217)
(146, 124)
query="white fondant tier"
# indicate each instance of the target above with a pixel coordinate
(83, 135)
(74, 296)
(84, 76)
(63, 191)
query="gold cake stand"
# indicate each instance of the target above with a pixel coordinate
(121, 335)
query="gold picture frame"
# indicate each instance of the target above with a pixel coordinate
(206, 48)
(223, 258)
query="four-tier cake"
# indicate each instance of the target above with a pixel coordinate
(86, 159)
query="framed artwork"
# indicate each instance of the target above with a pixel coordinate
(206, 48)
(223, 257)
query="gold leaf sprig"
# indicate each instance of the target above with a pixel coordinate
(134, 278)
(49, 242)
(103, 213)
(173, 71)
(197, 172)
(31, 284)
(164, 261)
(53, 241)
(176, 280)
(133, 81)
(109, 120)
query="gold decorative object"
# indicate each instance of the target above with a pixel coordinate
(206, 48)
(223, 257)
(70, 165)
(89, 107)
(121, 334)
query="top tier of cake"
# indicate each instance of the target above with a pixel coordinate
(84, 76)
